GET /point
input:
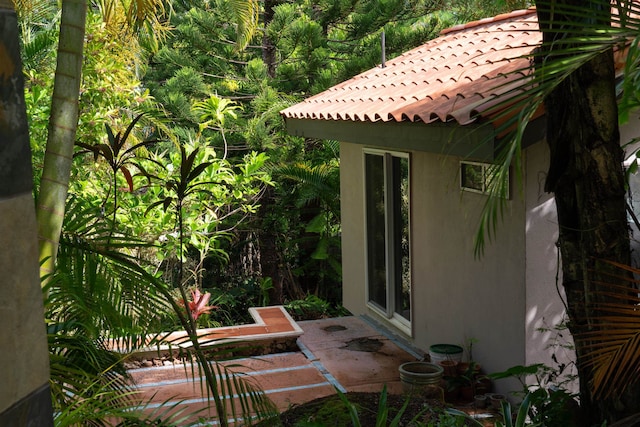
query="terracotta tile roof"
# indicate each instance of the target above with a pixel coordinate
(445, 79)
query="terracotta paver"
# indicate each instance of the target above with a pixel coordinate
(346, 353)
(359, 357)
(286, 378)
(270, 322)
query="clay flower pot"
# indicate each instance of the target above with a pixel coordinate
(449, 367)
(483, 385)
(463, 367)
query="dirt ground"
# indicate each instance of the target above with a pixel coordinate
(330, 411)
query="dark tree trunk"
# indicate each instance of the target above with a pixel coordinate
(268, 47)
(587, 179)
(270, 262)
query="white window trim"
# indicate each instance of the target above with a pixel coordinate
(484, 189)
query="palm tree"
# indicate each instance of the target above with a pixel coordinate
(25, 373)
(316, 188)
(97, 309)
(63, 123)
(213, 113)
(576, 62)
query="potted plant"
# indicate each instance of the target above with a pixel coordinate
(483, 384)
(465, 382)
(451, 389)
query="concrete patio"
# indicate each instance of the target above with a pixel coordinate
(347, 353)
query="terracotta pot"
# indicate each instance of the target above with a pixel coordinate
(463, 367)
(449, 367)
(476, 368)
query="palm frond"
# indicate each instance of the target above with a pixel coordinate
(253, 403)
(522, 92)
(217, 378)
(166, 414)
(111, 299)
(87, 380)
(319, 182)
(91, 287)
(38, 22)
(246, 14)
(614, 346)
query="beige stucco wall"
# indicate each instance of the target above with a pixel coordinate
(545, 308)
(455, 296)
(352, 218)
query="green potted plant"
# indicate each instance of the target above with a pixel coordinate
(463, 383)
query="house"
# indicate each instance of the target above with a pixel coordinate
(414, 143)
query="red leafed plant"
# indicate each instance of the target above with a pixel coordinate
(198, 304)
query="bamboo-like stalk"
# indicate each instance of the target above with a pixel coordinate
(63, 123)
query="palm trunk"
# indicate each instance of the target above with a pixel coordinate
(25, 397)
(63, 123)
(587, 179)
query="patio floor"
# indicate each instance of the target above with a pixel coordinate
(346, 353)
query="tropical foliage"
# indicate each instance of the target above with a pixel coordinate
(101, 304)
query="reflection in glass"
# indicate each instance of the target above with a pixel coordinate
(388, 245)
(376, 235)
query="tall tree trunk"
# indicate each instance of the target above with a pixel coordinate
(268, 46)
(270, 259)
(587, 179)
(63, 123)
(25, 397)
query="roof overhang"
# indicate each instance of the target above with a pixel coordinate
(473, 141)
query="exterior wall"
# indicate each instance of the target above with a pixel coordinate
(455, 297)
(353, 232)
(545, 294)
(545, 309)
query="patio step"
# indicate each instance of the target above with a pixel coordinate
(286, 378)
(272, 325)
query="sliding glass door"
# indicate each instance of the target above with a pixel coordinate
(387, 233)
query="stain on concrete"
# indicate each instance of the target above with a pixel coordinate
(370, 345)
(334, 328)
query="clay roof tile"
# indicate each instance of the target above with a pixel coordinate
(448, 78)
